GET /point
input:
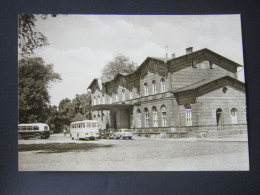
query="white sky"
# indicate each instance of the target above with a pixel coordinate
(81, 45)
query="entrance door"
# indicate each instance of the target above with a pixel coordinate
(219, 118)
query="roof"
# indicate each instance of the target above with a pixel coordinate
(109, 106)
(95, 79)
(204, 82)
(84, 121)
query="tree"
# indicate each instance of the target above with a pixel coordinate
(29, 37)
(120, 63)
(34, 80)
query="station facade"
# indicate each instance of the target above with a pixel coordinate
(168, 97)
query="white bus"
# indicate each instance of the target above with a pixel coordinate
(33, 130)
(87, 129)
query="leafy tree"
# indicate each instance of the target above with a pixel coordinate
(34, 80)
(29, 37)
(120, 63)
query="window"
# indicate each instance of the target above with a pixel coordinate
(139, 119)
(164, 116)
(155, 117)
(123, 95)
(234, 114)
(103, 99)
(146, 93)
(154, 87)
(98, 99)
(131, 94)
(88, 124)
(116, 97)
(146, 119)
(163, 88)
(94, 102)
(37, 128)
(188, 113)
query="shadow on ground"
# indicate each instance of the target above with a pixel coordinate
(59, 147)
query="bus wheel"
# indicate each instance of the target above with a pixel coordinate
(37, 136)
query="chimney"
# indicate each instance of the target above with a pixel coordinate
(189, 50)
(173, 55)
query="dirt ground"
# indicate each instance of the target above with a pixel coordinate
(59, 153)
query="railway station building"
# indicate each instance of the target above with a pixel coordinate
(169, 97)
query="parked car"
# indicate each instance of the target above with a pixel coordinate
(107, 134)
(123, 133)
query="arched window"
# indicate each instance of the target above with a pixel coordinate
(116, 97)
(219, 118)
(146, 92)
(94, 101)
(234, 114)
(146, 117)
(154, 87)
(130, 93)
(163, 87)
(188, 113)
(123, 95)
(164, 116)
(139, 118)
(103, 99)
(98, 99)
(155, 117)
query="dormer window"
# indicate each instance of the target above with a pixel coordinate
(123, 95)
(154, 87)
(163, 87)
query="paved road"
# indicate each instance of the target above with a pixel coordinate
(59, 153)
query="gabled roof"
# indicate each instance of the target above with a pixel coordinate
(93, 81)
(204, 54)
(206, 81)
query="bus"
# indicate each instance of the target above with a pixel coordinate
(87, 129)
(33, 130)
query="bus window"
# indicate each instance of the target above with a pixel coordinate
(35, 128)
(94, 124)
(83, 125)
(29, 128)
(88, 124)
(45, 128)
(23, 128)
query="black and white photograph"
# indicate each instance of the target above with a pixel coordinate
(131, 93)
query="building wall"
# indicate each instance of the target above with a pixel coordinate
(190, 75)
(209, 103)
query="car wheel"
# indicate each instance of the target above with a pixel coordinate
(37, 136)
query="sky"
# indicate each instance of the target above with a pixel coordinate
(81, 45)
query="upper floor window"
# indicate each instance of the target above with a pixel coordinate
(103, 99)
(146, 93)
(131, 94)
(123, 95)
(98, 100)
(116, 97)
(94, 101)
(163, 87)
(154, 87)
